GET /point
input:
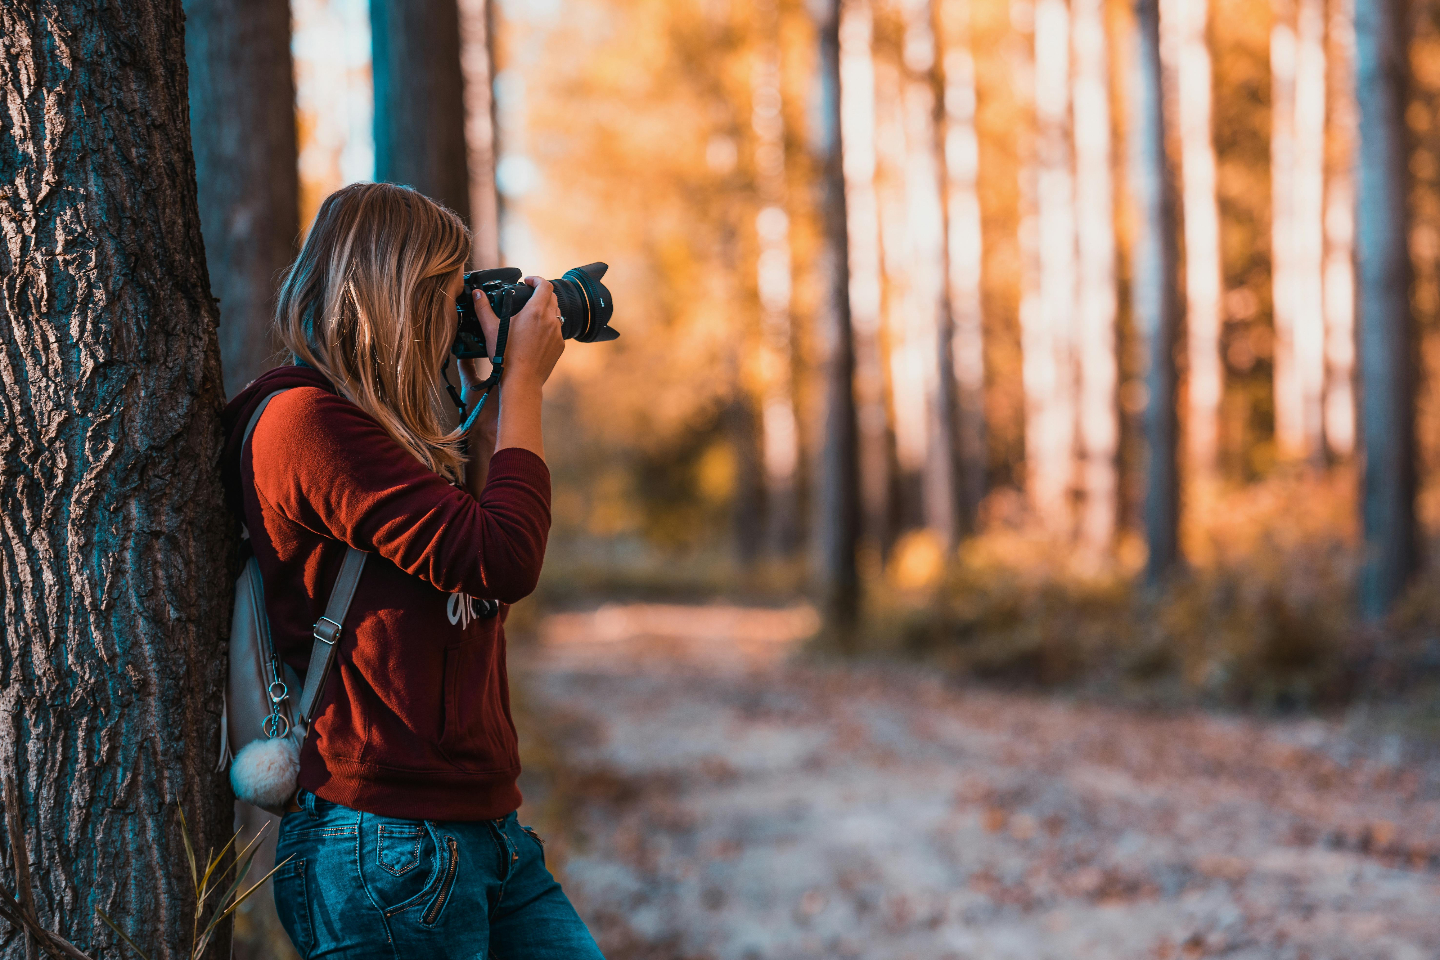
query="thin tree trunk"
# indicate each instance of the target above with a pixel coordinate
(926, 198)
(419, 99)
(1155, 294)
(1340, 237)
(1284, 262)
(1387, 373)
(964, 252)
(773, 274)
(1098, 406)
(857, 106)
(1202, 236)
(1048, 340)
(837, 525)
(477, 61)
(906, 241)
(115, 556)
(1308, 210)
(245, 166)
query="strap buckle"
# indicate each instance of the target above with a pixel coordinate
(326, 631)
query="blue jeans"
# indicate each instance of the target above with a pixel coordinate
(362, 886)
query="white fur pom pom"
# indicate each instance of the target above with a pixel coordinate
(265, 771)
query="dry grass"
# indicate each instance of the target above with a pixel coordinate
(1263, 615)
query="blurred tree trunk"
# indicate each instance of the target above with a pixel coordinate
(477, 59)
(1339, 268)
(1155, 294)
(1289, 429)
(857, 134)
(1048, 332)
(115, 574)
(1098, 406)
(964, 251)
(837, 503)
(1308, 209)
(1386, 334)
(242, 114)
(929, 312)
(419, 99)
(1297, 70)
(773, 282)
(1186, 21)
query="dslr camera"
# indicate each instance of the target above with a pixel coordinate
(585, 306)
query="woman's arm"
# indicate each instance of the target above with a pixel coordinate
(532, 348)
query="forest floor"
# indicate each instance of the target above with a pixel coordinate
(711, 794)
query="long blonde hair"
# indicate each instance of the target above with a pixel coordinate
(366, 304)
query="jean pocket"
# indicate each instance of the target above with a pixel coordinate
(398, 847)
(292, 903)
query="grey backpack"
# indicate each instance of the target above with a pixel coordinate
(258, 717)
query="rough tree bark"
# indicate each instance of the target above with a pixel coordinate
(1387, 373)
(245, 164)
(837, 503)
(1155, 294)
(419, 99)
(115, 556)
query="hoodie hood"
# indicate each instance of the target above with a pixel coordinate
(239, 411)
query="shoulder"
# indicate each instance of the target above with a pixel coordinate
(309, 412)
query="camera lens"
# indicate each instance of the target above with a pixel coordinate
(585, 304)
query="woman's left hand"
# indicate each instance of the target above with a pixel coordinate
(474, 370)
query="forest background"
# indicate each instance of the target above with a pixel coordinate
(1079, 345)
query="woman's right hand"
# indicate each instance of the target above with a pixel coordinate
(534, 343)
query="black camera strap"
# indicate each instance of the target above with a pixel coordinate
(489, 385)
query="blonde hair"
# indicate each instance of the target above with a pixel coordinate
(366, 304)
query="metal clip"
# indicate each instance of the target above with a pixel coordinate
(331, 630)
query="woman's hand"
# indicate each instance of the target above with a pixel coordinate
(534, 344)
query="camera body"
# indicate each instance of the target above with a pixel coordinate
(584, 302)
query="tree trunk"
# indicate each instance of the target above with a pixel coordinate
(1297, 158)
(773, 282)
(1387, 373)
(964, 253)
(419, 99)
(857, 134)
(1308, 335)
(837, 522)
(114, 577)
(1200, 204)
(477, 60)
(1340, 236)
(1154, 294)
(930, 314)
(1048, 333)
(245, 165)
(1098, 405)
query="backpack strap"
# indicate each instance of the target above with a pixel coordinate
(327, 633)
(328, 628)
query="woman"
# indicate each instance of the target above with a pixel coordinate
(402, 840)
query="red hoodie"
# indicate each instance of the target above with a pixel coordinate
(414, 720)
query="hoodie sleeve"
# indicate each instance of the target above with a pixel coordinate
(326, 465)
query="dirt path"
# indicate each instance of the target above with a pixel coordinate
(726, 802)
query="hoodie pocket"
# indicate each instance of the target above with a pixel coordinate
(475, 735)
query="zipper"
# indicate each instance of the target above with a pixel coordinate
(434, 912)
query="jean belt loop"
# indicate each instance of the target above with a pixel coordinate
(307, 800)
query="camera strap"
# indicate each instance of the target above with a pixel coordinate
(489, 385)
